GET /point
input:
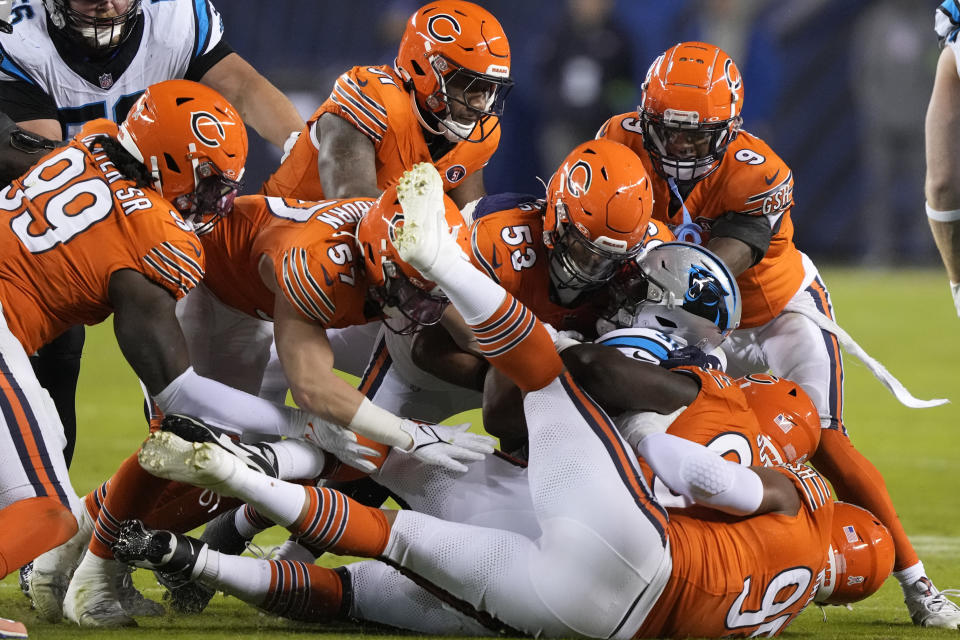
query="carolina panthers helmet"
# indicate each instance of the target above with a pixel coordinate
(786, 414)
(689, 292)
(97, 33)
(194, 145)
(859, 559)
(598, 205)
(454, 60)
(407, 299)
(690, 110)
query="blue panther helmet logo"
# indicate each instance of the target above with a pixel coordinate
(704, 296)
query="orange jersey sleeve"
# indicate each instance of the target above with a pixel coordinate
(72, 221)
(736, 577)
(751, 180)
(373, 100)
(506, 244)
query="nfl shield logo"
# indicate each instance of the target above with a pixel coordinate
(106, 80)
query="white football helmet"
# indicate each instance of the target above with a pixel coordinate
(690, 293)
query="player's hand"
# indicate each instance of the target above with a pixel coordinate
(634, 426)
(341, 442)
(955, 290)
(691, 356)
(446, 446)
(563, 339)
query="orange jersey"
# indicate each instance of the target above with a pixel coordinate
(374, 101)
(506, 244)
(721, 420)
(743, 577)
(73, 220)
(314, 254)
(750, 180)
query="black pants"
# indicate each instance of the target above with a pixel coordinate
(57, 366)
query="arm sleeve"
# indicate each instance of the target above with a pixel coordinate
(754, 231)
(199, 66)
(24, 101)
(227, 408)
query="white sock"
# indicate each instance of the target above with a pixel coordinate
(244, 527)
(278, 500)
(474, 295)
(245, 578)
(298, 459)
(906, 577)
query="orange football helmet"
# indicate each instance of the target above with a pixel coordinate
(787, 416)
(454, 60)
(859, 559)
(407, 299)
(596, 217)
(193, 143)
(690, 110)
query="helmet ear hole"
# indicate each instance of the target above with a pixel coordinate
(665, 322)
(417, 69)
(171, 163)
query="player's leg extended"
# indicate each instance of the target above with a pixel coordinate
(508, 334)
(37, 501)
(818, 368)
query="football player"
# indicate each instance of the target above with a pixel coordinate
(309, 267)
(440, 101)
(599, 526)
(943, 165)
(67, 62)
(555, 255)
(717, 185)
(127, 247)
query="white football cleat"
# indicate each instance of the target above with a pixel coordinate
(930, 607)
(47, 582)
(92, 599)
(424, 236)
(202, 464)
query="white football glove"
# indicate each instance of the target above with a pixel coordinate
(341, 442)
(634, 426)
(955, 290)
(446, 446)
(563, 339)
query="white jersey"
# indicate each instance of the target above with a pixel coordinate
(43, 76)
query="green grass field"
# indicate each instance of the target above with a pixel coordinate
(904, 318)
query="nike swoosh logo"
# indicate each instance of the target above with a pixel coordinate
(326, 276)
(493, 260)
(362, 83)
(772, 178)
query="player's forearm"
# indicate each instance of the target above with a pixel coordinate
(269, 112)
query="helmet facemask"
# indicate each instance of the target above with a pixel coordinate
(211, 200)
(100, 35)
(407, 307)
(684, 149)
(578, 264)
(469, 94)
